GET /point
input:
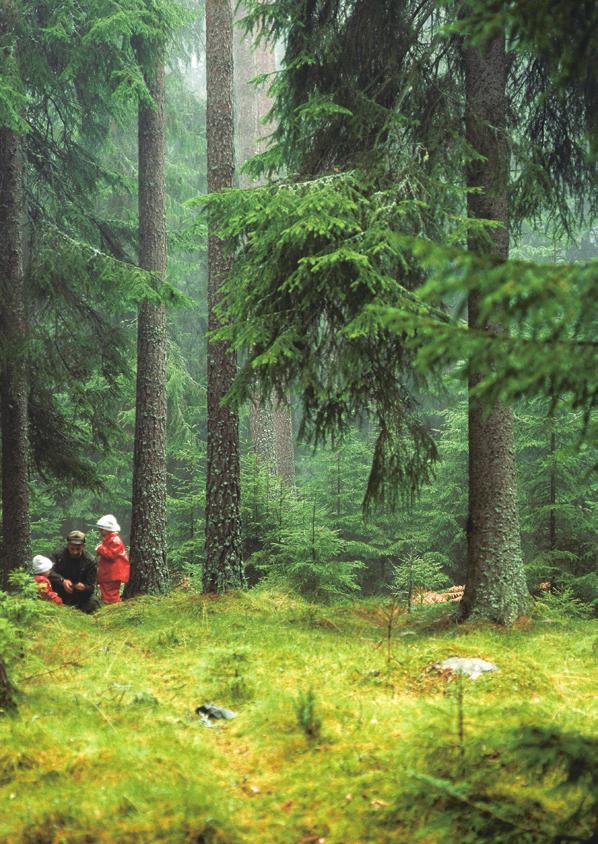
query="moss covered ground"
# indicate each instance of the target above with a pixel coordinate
(344, 733)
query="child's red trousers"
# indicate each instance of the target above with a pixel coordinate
(110, 590)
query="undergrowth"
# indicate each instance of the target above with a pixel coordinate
(343, 732)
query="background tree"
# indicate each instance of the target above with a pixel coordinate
(270, 420)
(261, 417)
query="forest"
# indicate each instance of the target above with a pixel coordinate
(298, 386)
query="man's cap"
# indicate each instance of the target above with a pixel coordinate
(76, 537)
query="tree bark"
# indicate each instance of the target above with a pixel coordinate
(495, 585)
(223, 567)
(7, 692)
(149, 570)
(261, 428)
(284, 441)
(13, 326)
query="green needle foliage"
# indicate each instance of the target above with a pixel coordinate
(558, 500)
(418, 573)
(69, 74)
(17, 612)
(551, 310)
(302, 552)
(81, 316)
(307, 717)
(358, 82)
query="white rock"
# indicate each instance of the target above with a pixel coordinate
(470, 666)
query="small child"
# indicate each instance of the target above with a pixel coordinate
(40, 567)
(113, 568)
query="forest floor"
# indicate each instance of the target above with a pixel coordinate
(344, 733)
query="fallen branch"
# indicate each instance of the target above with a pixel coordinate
(50, 671)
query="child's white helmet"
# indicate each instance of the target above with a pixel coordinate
(40, 564)
(108, 523)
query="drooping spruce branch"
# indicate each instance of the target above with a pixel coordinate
(551, 310)
(356, 78)
(561, 39)
(318, 252)
(59, 257)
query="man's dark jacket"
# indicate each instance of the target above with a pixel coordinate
(81, 569)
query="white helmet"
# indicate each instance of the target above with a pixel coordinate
(108, 523)
(40, 564)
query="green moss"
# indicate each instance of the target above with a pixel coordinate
(106, 745)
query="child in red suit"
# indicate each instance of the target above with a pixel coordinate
(40, 566)
(113, 568)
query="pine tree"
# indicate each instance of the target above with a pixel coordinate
(223, 566)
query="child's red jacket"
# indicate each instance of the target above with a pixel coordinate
(114, 560)
(47, 594)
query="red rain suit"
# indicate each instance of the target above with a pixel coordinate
(48, 593)
(113, 568)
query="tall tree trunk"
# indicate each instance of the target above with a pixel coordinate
(224, 566)
(495, 585)
(149, 571)
(553, 467)
(13, 339)
(270, 421)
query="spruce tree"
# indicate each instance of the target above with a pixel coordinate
(149, 571)
(495, 586)
(67, 70)
(223, 566)
(14, 333)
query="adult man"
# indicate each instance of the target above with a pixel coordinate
(74, 574)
